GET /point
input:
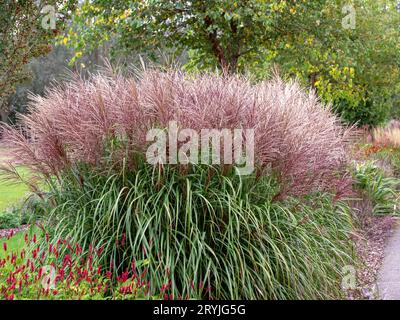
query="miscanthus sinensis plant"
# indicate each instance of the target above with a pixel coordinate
(203, 225)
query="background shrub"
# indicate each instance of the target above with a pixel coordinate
(366, 112)
(9, 220)
(21, 213)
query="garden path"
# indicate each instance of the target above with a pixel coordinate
(389, 275)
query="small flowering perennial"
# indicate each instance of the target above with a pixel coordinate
(72, 277)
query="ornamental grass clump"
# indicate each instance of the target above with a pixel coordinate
(296, 137)
(277, 233)
(389, 137)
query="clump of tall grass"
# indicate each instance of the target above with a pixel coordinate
(202, 226)
(216, 236)
(389, 136)
(295, 136)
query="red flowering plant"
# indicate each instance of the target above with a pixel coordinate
(64, 271)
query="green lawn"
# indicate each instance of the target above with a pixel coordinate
(11, 192)
(15, 244)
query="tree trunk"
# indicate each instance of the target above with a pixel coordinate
(227, 62)
(233, 64)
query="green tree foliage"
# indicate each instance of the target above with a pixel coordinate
(353, 67)
(357, 69)
(221, 33)
(22, 37)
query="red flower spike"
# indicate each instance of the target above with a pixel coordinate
(100, 251)
(13, 258)
(99, 269)
(124, 276)
(10, 235)
(143, 274)
(61, 273)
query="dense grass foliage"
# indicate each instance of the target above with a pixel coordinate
(220, 234)
(375, 186)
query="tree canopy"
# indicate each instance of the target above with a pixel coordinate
(222, 33)
(347, 52)
(28, 31)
